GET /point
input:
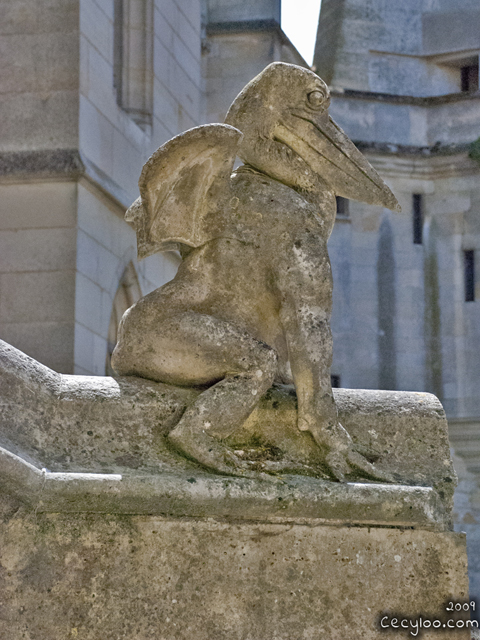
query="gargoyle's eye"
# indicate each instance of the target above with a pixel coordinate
(316, 99)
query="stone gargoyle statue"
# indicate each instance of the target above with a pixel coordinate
(251, 302)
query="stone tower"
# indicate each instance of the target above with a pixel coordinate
(404, 79)
(240, 39)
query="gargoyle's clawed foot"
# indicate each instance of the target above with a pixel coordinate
(352, 464)
(245, 468)
(282, 466)
(215, 456)
(338, 465)
(361, 464)
(342, 460)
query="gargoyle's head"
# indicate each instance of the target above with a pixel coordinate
(288, 134)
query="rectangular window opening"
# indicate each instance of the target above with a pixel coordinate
(133, 58)
(117, 46)
(469, 77)
(417, 202)
(335, 380)
(469, 270)
(342, 206)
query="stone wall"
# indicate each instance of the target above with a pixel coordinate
(241, 39)
(114, 148)
(70, 160)
(401, 319)
(466, 513)
(40, 75)
(409, 48)
(426, 332)
(106, 247)
(37, 256)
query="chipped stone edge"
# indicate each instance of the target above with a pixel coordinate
(287, 499)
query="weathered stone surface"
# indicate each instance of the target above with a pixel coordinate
(251, 301)
(89, 541)
(81, 427)
(114, 577)
(288, 499)
(355, 298)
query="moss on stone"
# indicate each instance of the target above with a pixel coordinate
(474, 151)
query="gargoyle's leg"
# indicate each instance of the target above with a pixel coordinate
(215, 415)
(250, 368)
(305, 280)
(195, 349)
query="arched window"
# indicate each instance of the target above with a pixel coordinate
(128, 293)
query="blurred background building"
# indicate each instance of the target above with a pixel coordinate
(90, 88)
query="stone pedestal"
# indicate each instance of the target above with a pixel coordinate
(141, 577)
(106, 533)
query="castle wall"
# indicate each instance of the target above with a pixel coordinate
(241, 39)
(71, 157)
(40, 75)
(395, 71)
(37, 277)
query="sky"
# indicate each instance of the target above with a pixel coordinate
(300, 21)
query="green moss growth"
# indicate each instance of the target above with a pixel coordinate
(474, 151)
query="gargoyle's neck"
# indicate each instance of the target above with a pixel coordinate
(322, 197)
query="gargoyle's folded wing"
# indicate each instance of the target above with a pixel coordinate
(183, 181)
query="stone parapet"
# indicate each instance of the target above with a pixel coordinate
(79, 427)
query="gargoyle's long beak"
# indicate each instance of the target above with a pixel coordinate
(334, 157)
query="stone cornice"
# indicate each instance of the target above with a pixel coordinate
(40, 164)
(59, 164)
(95, 477)
(436, 150)
(241, 26)
(433, 162)
(418, 166)
(249, 26)
(418, 101)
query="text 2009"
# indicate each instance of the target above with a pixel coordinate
(459, 606)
